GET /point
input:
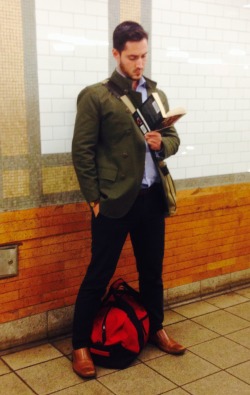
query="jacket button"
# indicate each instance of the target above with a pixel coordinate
(123, 176)
(125, 154)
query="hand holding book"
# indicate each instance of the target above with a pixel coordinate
(154, 140)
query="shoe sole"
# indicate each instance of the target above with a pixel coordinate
(93, 376)
(181, 352)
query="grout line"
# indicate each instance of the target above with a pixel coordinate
(145, 362)
(233, 375)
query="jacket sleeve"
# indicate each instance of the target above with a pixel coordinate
(84, 143)
(170, 138)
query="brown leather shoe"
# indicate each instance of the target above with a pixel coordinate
(165, 343)
(82, 363)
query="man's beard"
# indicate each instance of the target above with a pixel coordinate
(129, 75)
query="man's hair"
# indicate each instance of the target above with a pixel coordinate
(127, 31)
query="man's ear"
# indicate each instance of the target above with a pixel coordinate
(116, 54)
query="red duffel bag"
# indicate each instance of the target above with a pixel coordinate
(120, 329)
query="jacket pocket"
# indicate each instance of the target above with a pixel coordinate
(109, 174)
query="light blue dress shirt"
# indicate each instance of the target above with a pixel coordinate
(150, 175)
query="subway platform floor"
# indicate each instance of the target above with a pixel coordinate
(215, 330)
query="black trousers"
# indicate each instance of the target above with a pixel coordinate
(145, 223)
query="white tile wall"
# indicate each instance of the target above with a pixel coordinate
(72, 50)
(201, 59)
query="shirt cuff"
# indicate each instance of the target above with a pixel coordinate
(160, 154)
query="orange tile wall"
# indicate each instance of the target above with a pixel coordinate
(208, 237)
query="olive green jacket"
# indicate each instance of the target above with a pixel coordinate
(108, 149)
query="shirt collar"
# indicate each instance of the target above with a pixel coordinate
(142, 82)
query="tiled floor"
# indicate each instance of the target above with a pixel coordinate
(215, 330)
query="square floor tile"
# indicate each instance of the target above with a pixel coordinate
(242, 337)
(91, 387)
(150, 352)
(177, 391)
(241, 310)
(12, 385)
(221, 322)
(31, 356)
(171, 317)
(63, 345)
(4, 368)
(195, 309)
(182, 369)
(189, 333)
(222, 352)
(226, 300)
(244, 292)
(220, 383)
(101, 371)
(135, 380)
(241, 371)
(50, 376)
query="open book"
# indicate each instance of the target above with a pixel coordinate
(151, 115)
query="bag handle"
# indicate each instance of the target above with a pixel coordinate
(118, 287)
(118, 93)
(116, 290)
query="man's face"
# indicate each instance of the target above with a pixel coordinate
(133, 58)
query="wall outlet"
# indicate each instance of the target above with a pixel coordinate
(8, 261)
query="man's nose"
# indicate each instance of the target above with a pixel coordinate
(139, 63)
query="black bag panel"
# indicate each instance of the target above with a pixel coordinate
(112, 357)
